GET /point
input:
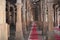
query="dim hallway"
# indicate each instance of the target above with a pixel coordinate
(29, 19)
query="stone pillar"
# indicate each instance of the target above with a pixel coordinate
(50, 17)
(24, 16)
(44, 16)
(55, 15)
(3, 25)
(50, 20)
(31, 16)
(41, 14)
(58, 17)
(19, 31)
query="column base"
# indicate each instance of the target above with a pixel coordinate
(3, 32)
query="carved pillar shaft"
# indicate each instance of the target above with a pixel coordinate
(3, 25)
(50, 20)
(19, 32)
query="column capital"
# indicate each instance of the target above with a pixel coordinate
(50, 1)
(19, 1)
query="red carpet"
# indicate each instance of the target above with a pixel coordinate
(34, 33)
(57, 36)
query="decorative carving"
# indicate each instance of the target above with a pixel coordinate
(11, 15)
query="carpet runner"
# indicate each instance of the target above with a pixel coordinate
(34, 33)
(57, 35)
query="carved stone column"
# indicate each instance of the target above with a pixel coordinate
(3, 25)
(50, 19)
(19, 32)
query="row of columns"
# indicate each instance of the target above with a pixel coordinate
(27, 20)
(19, 32)
(4, 26)
(47, 14)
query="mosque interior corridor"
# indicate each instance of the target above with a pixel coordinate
(29, 19)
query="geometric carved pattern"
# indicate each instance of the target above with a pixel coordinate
(11, 13)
